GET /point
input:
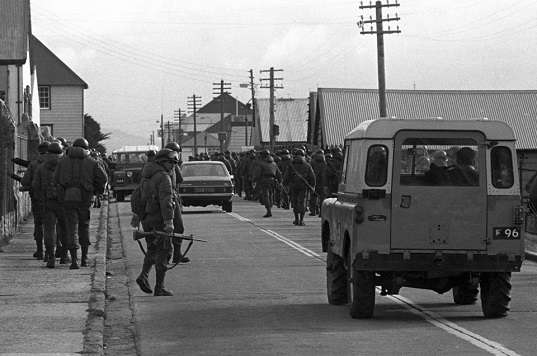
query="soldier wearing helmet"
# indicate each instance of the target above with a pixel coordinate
(318, 164)
(37, 208)
(299, 178)
(47, 192)
(162, 214)
(266, 175)
(177, 178)
(79, 178)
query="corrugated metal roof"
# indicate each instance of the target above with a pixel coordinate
(290, 114)
(14, 30)
(341, 110)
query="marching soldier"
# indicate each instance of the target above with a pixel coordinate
(318, 163)
(266, 175)
(299, 177)
(37, 208)
(161, 215)
(46, 191)
(79, 177)
(177, 178)
(283, 165)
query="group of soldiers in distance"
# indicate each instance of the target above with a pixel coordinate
(63, 181)
(299, 179)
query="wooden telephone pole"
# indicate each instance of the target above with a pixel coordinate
(219, 89)
(379, 31)
(272, 87)
(193, 103)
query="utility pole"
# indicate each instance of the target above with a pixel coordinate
(252, 88)
(161, 131)
(379, 31)
(178, 116)
(193, 103)
(168, 131)
(220, 89)
(271, 86)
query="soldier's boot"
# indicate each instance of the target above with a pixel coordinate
(160, 291)
(51, 259)
(295, 222)
(63, 256)
(39, 248)
(142, 280)
(74, 259)
(301, 221)
(84, 257)
(268, 213)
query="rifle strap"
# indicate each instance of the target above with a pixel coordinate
(140, 244)
(303, 179)
(183, 254)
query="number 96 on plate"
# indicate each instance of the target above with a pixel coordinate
(506, 233)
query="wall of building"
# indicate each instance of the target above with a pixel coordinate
(66, 112)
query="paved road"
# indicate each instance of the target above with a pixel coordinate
(258, 288)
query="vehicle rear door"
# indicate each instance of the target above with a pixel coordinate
(443, 208)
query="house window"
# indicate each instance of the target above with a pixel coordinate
(44, 97)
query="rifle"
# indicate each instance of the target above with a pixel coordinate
(15, 177)
(138, 235)
(21, 162)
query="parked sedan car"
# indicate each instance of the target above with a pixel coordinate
(206, 183)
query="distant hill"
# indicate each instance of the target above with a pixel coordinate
(120, 138)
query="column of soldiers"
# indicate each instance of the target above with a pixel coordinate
(300, 181)
(63, 182)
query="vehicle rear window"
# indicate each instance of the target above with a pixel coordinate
(130, 157)
(440, 162)
(194, 170)
(502, 167)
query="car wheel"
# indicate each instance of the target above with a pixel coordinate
(495, 293)
(227, 206)
(466, 293)
(336, 279)
(361, 292)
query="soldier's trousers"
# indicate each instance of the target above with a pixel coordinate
(316, 199)
(266, 195)
(54, 222)
(179, 228)
(298, 200)
(77, 219)
(37, 212)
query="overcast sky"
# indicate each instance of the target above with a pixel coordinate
(141, 58)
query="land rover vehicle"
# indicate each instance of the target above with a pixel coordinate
(206, 183)
(127, 163)
(425, 203)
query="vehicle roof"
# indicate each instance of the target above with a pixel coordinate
(142, 148)
(387, 128)
(204, 162)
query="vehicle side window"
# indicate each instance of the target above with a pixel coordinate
(502, 167)
(376, 172)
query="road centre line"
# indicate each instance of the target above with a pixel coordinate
(433, 318)
(483, 343)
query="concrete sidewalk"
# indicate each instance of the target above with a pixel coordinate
(52, 311)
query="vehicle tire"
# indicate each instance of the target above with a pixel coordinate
(120, 196)
(336, 279)
(495, 293)
(227, 206)
(466, 293)
(361, 293)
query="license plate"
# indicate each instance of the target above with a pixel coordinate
(506, 233)
(203, 190)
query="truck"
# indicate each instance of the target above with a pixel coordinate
(425, 203)
(127, 164)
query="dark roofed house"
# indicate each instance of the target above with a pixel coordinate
(61, 93)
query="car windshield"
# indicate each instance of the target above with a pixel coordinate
(209, 169)
(130, 157)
